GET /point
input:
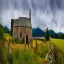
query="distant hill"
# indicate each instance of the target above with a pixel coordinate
(60, 33)
(37, 32)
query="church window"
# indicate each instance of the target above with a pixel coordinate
(20, 34)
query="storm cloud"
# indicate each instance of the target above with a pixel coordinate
(44, 13)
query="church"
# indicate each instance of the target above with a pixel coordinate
(21, 28)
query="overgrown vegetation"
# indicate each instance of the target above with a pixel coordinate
(59, 49)
(42, 47)
(17, 41)
(3, 55)
(1, 32)
(43, 50)
(24, 57)
(59, 56)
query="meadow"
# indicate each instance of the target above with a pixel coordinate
(59, 46)
(18, 54)
(59, 43)
(32, 55)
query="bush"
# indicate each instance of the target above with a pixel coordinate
(17, 41)
(1, 32)
(22, 41)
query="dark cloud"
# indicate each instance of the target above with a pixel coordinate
(44, 12)
(56, 4)
(52, 4)
(40, 4)
(59, 3)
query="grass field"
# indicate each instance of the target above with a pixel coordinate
(59, 43)
(18, 51)
(42, 50)
(59, 47)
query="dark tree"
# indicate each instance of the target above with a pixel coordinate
(56, 36)
(6, 29)
(47, 35)
(1, 32)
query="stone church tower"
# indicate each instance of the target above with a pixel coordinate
(21, 28)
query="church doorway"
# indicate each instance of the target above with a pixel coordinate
(26, 39)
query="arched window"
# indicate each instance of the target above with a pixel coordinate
(15, 34)
(20, 34)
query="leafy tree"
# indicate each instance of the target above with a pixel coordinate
(56, 36)
(1, 32)
(47, 35)
(6, 29)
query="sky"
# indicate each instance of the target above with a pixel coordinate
(44, 13)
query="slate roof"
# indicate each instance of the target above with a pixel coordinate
(22, 21)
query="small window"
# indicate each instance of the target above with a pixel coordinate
(20, 34)
(15, 34)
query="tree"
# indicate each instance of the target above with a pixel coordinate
(6, 29)
(56, 36)
(1, 32)
(47, 35)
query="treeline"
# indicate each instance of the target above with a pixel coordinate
(3, 30)
(58, 36)
(51, 33)
(37, 32)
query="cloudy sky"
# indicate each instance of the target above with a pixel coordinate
(45, 13)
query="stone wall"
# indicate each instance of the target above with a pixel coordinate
(24, 31)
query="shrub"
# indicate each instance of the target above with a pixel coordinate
(22, 41)
(1, 32)
(17, 41)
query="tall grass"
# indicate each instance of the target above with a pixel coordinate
(59, 47)
(24, 57)
(3, 55)
(43, 49)
(59, 56)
